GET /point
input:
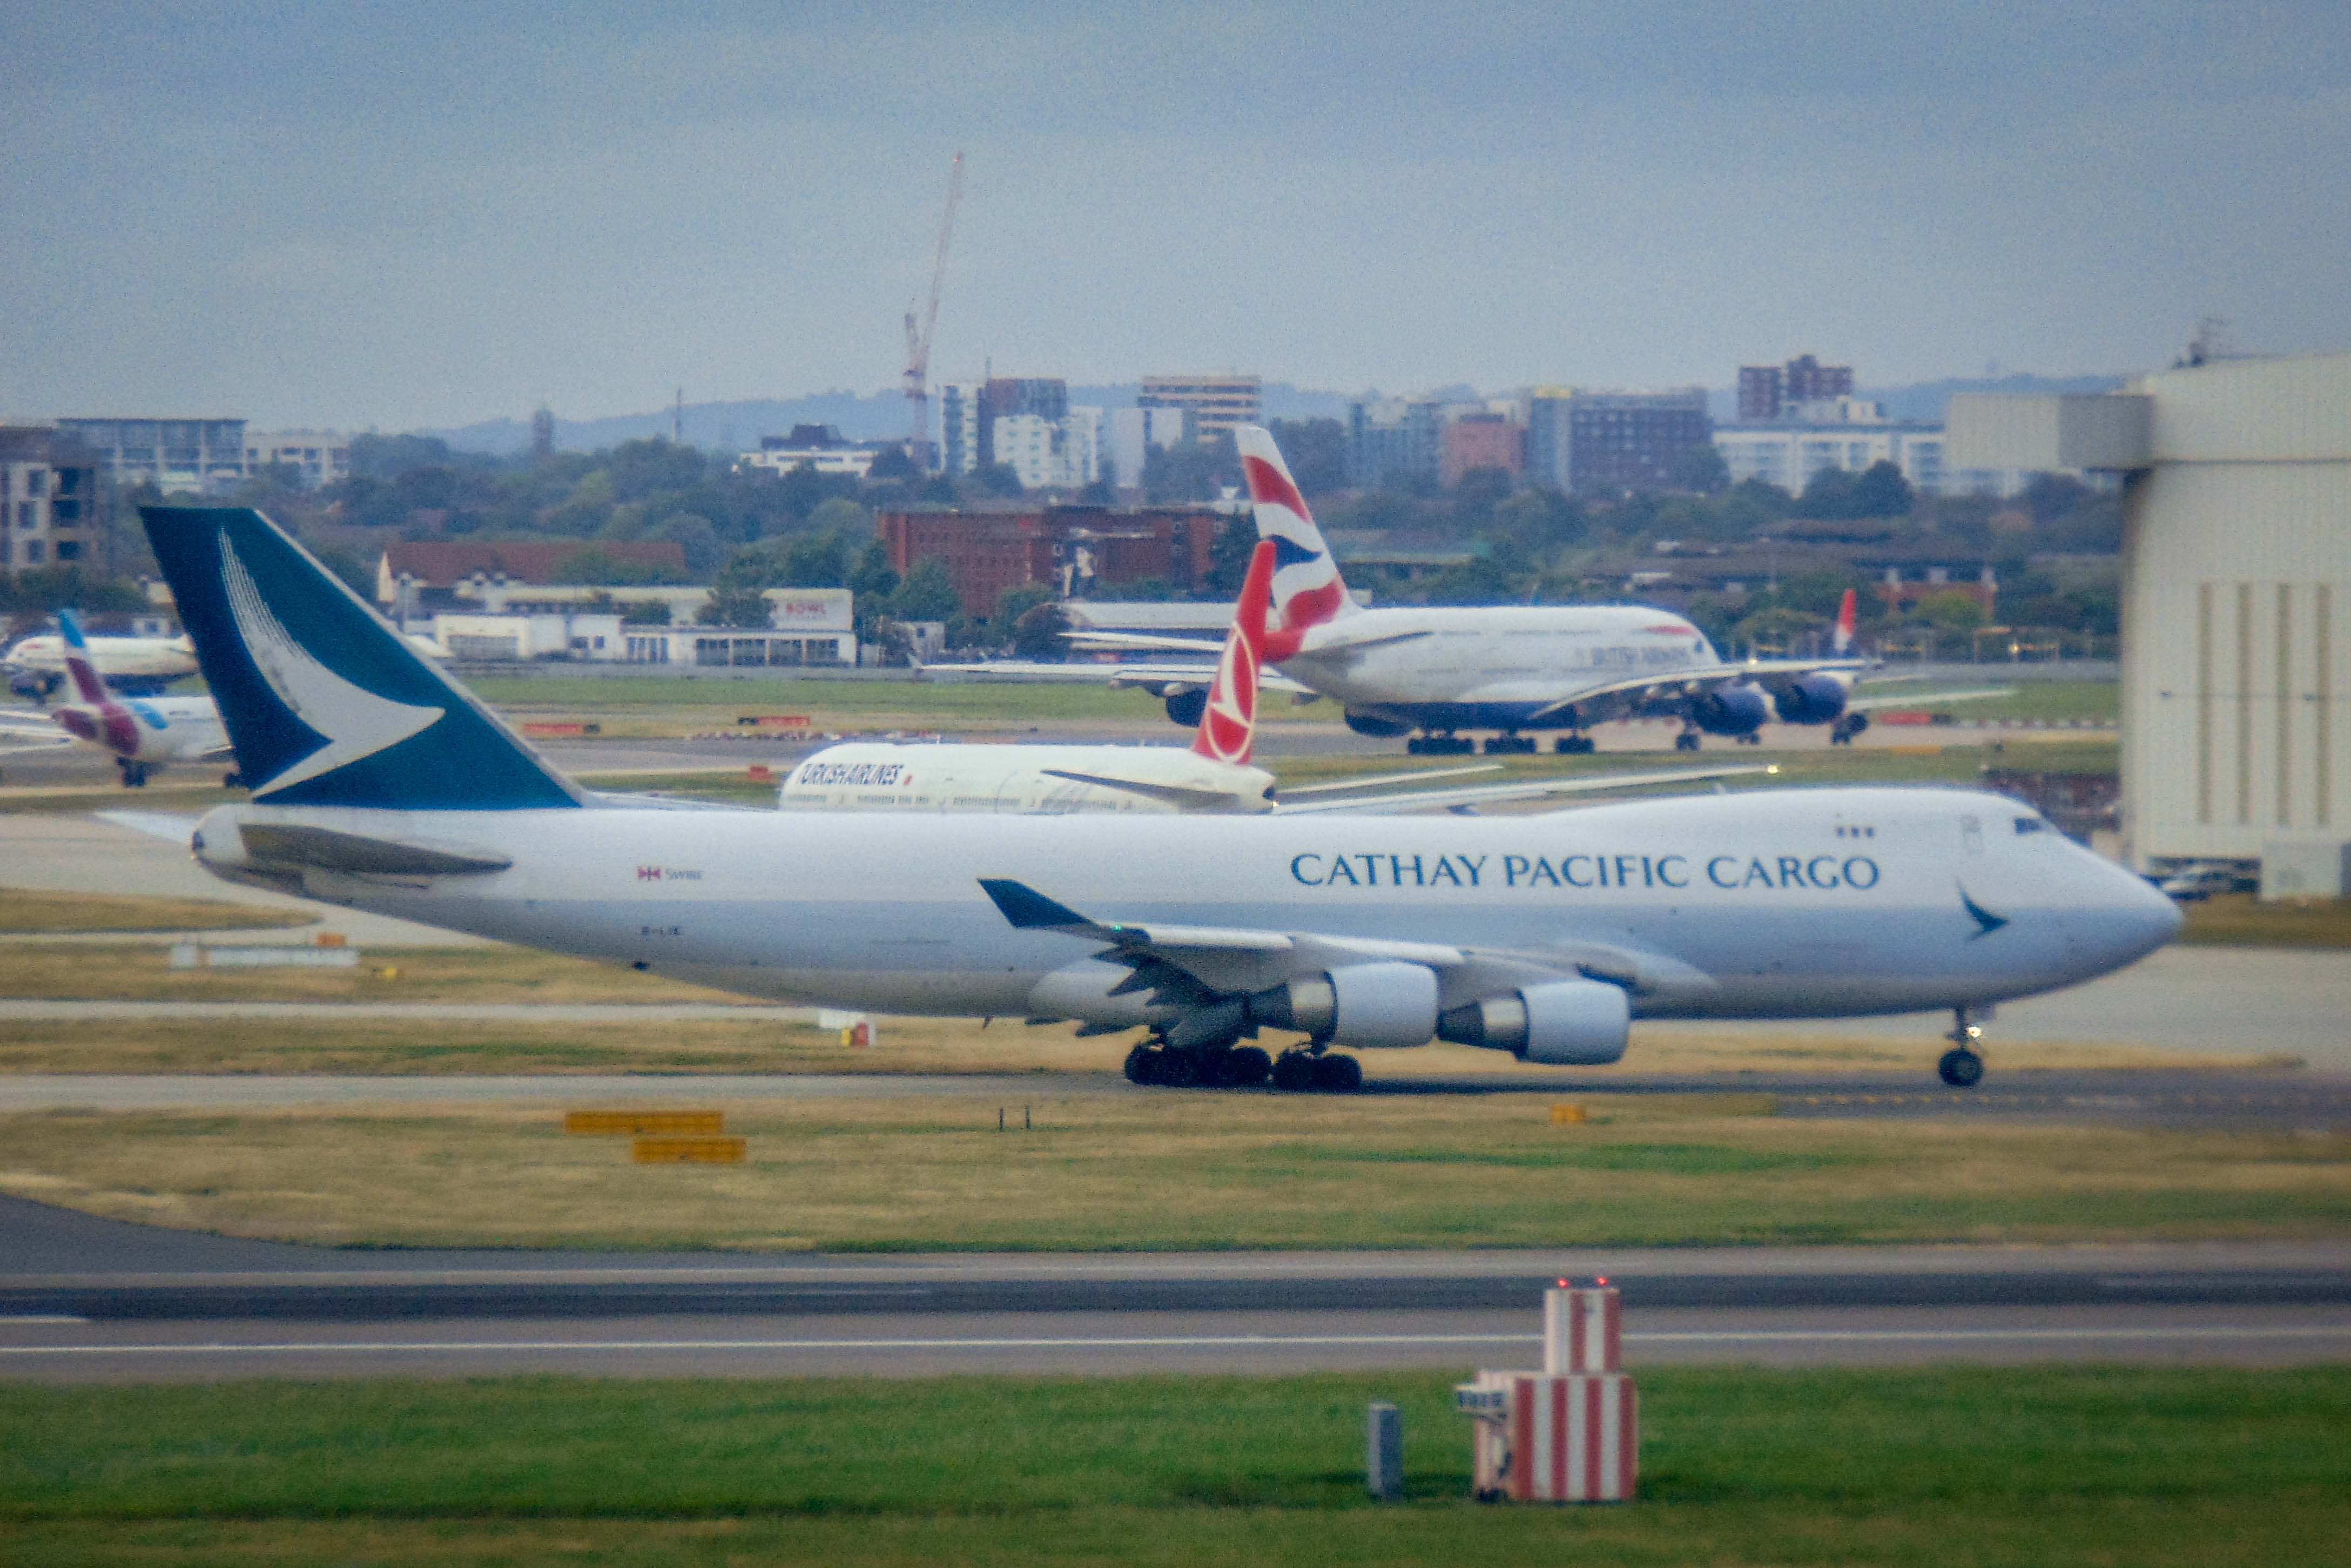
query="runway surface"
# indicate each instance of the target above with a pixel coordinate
(2277, 1101)
(92, 1299)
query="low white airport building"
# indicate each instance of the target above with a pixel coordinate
(2236, 599)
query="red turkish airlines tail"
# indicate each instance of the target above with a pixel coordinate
(1844, 638)
(1229, 727)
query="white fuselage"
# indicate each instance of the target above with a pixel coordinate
(1819, 903)
(1511, 657)
(154, 731)
(126, 658)
(1020, 779)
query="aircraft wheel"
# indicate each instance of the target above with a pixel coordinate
(1338, 1074)
(1293, 1070)
(1142, 1064)
(1246, 1066)
(1175, 1069)
(1960, 1067)
(1686, 741)
(1574, 746)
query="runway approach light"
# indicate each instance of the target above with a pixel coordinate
(1570, 1433)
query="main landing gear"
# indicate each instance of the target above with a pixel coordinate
(1152, 1064)
(1444, 744)
(1574, 746)
(1961, 1067)
(134, 774)
(1687, 740)
(1510, 746)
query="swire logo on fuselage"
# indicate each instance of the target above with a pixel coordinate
(1726, 872)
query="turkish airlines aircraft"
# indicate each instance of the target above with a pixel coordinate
(1214, 775)
(1512, 668)
(381, 784)
(143, 733)
(137, 666)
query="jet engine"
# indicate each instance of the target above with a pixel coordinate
(1363, 1005)
(1731, 710)
(1186, 705)
(1812, 699)
(1580, 1023)
(1372, 724)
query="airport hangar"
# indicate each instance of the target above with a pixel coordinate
(2236, 601)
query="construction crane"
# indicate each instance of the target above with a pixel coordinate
(919, 333)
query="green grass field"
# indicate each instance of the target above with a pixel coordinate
(1953, 1468)
(2044, 702)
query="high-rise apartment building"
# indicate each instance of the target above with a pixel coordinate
(1579, 440)
(1217, 402)
(48, 498)
(1000, 397)
(1393, 439)
(1766, 390)
(175, 454)
(959, 426)
(1131, 434)
(316, 456)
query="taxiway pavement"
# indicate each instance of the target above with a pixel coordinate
(82, 1298)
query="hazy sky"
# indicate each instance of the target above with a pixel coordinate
(426, 214)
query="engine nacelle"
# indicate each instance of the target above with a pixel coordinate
(1576, 1023)
(1364, 1005)
(1814, 699)
(1372, 725)
(1187, 705)
(1731, 710)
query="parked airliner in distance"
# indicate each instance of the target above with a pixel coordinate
(136, 666)
(380, 783)
(1213, 774)
(142, 733)
(1430, 672)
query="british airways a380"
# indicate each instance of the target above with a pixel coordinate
(1431, 672)
(380, 783)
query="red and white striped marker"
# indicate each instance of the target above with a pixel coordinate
(1584, 1331)
(1574, 1439)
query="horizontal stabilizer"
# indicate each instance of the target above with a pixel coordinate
(323, 849)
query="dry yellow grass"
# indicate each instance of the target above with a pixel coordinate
(1177, 1171)
(429, 1045)
(28, 910)
(85, 971)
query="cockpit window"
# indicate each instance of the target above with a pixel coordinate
(2030, 824)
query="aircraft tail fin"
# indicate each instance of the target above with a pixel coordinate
(1842, 641)
(80, 668)
(1307, 589)
(1228, 726)
(325, 702)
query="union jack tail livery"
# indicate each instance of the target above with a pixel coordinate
(1229, 727)
(1843, 642)
(1307, 591)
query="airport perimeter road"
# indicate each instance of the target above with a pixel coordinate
(2278, 1101)
(82, 1299)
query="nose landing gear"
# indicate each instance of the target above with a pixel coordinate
(1961, 1067)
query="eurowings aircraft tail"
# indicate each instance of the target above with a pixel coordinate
(1307, 590)
(1842, 644)
(326, 703)
(1228, 726)
(80, 669)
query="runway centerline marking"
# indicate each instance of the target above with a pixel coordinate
(1182, 1342)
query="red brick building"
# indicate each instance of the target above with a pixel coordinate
(990, 547)
(1480, 441)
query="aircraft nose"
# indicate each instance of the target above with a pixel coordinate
(2141, 918)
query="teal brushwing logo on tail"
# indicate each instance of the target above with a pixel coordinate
(326, 703)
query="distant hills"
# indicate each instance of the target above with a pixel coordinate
(873, 416)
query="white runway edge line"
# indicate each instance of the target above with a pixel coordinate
(1174, 1341)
